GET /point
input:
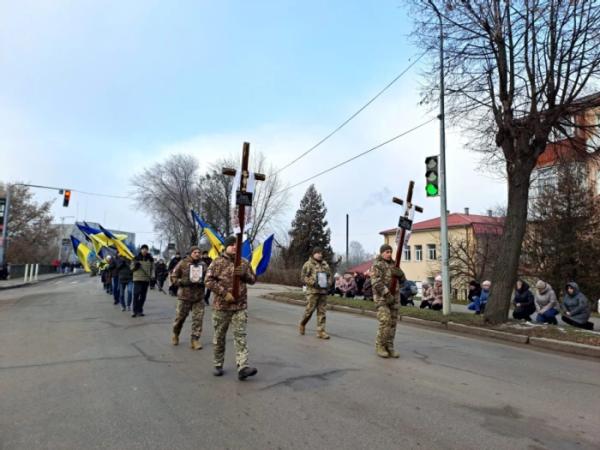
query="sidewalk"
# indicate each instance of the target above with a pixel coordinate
(18, 282)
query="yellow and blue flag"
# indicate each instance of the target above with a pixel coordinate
(262, 256)
(215, 239)
(122, 249)
(82, 251)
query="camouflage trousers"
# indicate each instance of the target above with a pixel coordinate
(182, 311)
(238, 321)
(387, 315)
(318, 302)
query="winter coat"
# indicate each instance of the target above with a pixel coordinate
(351, 287)
(545, 300)
(427, 295)
(173, 263)
(438, 293)
(577, 305)
(484, 297)
(523, 299)
(219, 279)
(125, 274)
(188, 290)
(382, 273)
(141, 267)
(475, 292)
(367, 288)
(161, 271)
(113, 267)
(309, 276)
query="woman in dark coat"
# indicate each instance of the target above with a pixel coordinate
(524, 301)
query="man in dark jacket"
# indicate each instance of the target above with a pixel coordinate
(141, 268)
(524, 301)
(576, 308)
(188, 276)
(125, 284)
(113, 268)
(161, 273)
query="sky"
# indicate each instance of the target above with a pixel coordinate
(93, 92)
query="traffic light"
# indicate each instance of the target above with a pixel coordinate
(66, 198)
(432, 176)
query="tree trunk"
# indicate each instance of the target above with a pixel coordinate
(505, 272)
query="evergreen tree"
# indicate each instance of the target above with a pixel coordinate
(309, 229)
(563, 238)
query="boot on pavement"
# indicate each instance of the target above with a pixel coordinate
(246, 372)
(175, 339)
(301, 329)
(322, 335)
(218, 372)
(393, 353)
(382, 352)
(195, 344)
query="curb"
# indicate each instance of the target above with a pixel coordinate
(518, 338)
(545, 343)
(423, 322)
(35, 283)
(569, 347)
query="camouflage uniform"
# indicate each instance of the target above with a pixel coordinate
(219, 279)
(190, 296)
(386, 303)
(316, 297)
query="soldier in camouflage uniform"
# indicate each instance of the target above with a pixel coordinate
(228, 309)
(316, 276)
(188, 276)
(387, 304)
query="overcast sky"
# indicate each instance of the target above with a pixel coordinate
(91, 92)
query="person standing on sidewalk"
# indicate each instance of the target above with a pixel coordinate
(113, 268)
(316, 276)
(382, 272)
(141, 268)
(207, 261)
(230, 310)
(188, 276)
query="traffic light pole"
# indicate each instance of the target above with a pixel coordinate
(443, 184)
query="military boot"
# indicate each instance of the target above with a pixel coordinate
(322, 335)
(301, 329)
(175, 339)
(195, 344)
(382, 352)
(393, 353)
(246, 372)
(218, 372)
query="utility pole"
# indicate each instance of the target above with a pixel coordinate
(4, 248)
(347, 238)
(443, 184)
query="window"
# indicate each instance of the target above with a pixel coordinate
(565, 130)
(406, 253)
(418, 253)
(543, 180)
(431, 252)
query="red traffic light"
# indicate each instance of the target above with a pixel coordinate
(66, 198)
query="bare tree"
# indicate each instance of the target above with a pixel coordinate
(517, 71)
(473, 257)
(356, 252)
(167, 191)
(31, 234)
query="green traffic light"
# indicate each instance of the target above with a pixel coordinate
(432, 190)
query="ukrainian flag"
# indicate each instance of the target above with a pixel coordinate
(262, 256)
(118, 244)
(215, 239)
(82, 252)
(247, 250)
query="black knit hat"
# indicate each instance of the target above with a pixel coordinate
(231, 240)
(385, 248)
(317, 250)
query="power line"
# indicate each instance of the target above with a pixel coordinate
(398, 136)
(343, 124)
(95, 194)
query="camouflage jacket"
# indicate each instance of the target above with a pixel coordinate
(310, 269)
(382, 272)
(187, 290)
(219, 279)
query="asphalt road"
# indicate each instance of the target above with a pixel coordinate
(76, 373)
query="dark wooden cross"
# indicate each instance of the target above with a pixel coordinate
(404, 224)
(243, 199)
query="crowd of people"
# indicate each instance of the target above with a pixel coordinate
(575, 309)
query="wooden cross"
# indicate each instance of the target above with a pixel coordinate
(243, 199)
(405, 223)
